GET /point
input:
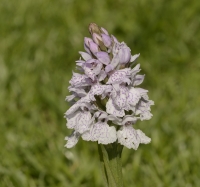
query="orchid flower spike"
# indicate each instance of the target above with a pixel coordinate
(107, 100)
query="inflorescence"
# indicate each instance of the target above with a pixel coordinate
(105, 97)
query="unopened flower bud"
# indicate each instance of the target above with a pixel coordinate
(86, 44)
(104, 31)
(93, 28)
(103, 57)
(106, 40)
(124, 55)
(99, 41)
(93, 47)
(97, 38)
(87, 41)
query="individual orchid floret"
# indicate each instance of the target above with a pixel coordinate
(105, 94)
(123, 52)
(102, 133)
(87, 44)
(131, 138)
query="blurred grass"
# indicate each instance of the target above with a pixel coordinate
(39, 43)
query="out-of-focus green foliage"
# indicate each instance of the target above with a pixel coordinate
(39, 43)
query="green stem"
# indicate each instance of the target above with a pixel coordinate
(110, 158)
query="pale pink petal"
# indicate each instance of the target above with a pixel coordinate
(72, 139)
(119, 76)
(103, 57)
(138, 79)
(83, 122)
(70, 98)
(124, 55)
(85, 56)
(134, 57)
(89, 73)
(106, 40)
(134, 95)
(102, 75)
(143, 138)
(131, 138)
(121, 97)
(78, 80)
(112, 109)
(72, 119)
(97, 69)
(102, 133)
(98, 89)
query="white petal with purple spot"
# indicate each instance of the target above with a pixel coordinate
(119, 76)
(112, 109)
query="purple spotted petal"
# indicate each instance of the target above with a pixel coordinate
(134, 95)
(102, 133)
(112, 109)
(131, 138)
(97, 68)
(129, 119)
(80, 92)
(127, 136)
(121, 97)
(83, 102)
(77, 79)
(119, 76)
(89, 73)
(143, 109)
(83, 122)
(98, 89)
(72, 119)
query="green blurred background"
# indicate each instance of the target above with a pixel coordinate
(39, 43)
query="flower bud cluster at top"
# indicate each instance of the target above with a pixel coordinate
(105, 97)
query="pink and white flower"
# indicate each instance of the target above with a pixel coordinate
(105, 94)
